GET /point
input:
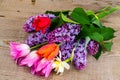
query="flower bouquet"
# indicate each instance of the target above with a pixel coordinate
(59, 37)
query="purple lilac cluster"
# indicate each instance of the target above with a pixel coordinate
(28, 24)
(36, 38)
(51, 16)
(92, 47)
(80, 55)
(66, 49)
(66, 32)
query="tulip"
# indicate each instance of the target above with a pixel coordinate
(42, 67)
(19, 51)
(41, 23)
(30, 59)
(49, 51)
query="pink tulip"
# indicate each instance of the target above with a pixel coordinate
(43, 67)
(30, 59)
(18, 51)
(33, 68)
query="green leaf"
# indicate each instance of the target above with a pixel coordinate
(108, 46)
(94, 19)
(107, 33)
(92, 16)
(80, 16)
(64, 18)
(98, 23)
(87, 31)
(107, 12)
(56, 22)
(97, 56)
(56, 13)
(89, 12)
(96, 36)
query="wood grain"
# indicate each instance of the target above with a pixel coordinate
(13, 14)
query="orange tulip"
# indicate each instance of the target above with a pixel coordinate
(48, 51)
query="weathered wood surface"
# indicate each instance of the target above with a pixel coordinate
(13, 14)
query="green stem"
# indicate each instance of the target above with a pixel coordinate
(61, 43)
(39, 45)
(104, 9)
(72, 55)
(68, 60)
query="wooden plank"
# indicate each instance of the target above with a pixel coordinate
(13, 14)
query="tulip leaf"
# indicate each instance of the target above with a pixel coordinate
(104, 13)
(64, 18)
(103, 9)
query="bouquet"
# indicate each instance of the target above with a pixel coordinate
(59, 37)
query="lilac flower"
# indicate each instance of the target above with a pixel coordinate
(51, 16)
(66, 49)
(92, 47)
(18, 51)
(66, 32)
(28, 25)
(80, 55)
(36, 38)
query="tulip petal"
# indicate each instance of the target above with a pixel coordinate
(41, 23)
(33, 68)
(41, 65)
(48, 51)
(18, 50)
(54, 53)
(30, 59)
(48, 70)
(46, 48)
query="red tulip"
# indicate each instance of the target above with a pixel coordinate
(41, 23)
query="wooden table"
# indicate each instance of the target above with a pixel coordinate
(13, 14)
